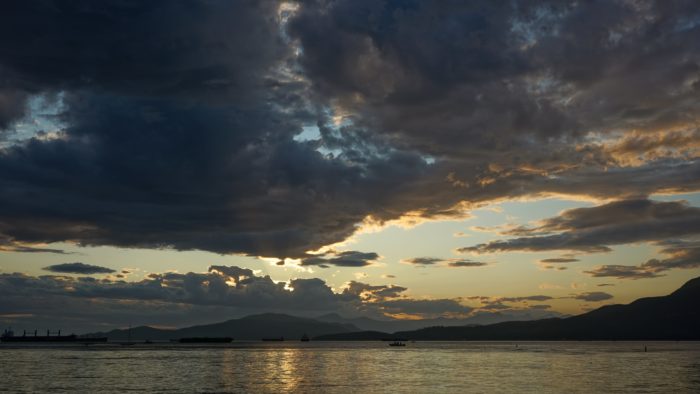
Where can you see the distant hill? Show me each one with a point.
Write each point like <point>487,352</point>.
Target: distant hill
<point>254,327</point>
<point>675,316</point>
<point>393,325</point>
<point>356,336</point>
<point>672,317</point>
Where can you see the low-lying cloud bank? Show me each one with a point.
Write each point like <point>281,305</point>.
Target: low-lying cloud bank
<point>224,291</point>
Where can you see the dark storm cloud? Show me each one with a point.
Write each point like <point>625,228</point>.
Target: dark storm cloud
<point>348,258</point>
<point>156,48</point>
<point>179,116</point>
<point>10,246</point>
<point>152,137</point>
<point>79,268</point>
<point>523,71</point>
<point>593,229</point>
<point>12,107</point>
<point>504,111</point>
<point>681,254</point>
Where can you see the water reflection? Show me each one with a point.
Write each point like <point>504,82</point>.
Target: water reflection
<point>366,367</point>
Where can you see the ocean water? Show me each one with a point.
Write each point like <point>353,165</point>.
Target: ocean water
<point>367,367</point>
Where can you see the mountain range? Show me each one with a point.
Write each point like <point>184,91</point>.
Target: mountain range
<point>393,325</point>
<point>254,327</point>
<point>672,317</point>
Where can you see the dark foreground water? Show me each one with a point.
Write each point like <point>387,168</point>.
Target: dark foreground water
<point>480,367</point>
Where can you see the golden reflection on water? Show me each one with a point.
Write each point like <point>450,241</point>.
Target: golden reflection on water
<point>282,368</point>
<point>357,367</point>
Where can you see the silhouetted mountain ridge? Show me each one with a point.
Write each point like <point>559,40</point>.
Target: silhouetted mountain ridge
<point>393,325</point>
<point>254,327</point>
<point>672,317</point>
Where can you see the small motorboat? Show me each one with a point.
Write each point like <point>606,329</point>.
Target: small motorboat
<point>305,338</point>
<point>397,343</point>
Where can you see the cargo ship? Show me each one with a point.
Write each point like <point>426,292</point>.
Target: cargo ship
<point>9,336</point>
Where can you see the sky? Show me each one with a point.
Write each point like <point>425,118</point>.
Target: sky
<point>174,163</point>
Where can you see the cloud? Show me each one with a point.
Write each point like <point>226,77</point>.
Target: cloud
<point>422,261</point>
<point>594,296</point>
<point>348,258</point>
<point>193,123</point>
<point>13,106</point>
<point>425,308</point>
<point>375,293</point>
<point>528,298</point>
<point>559,260</point>
<point>222,286</point>
<point>235,273</point>
<point>7,245</point>
<point>549,286</point>
<point>434,261</point>
<point>79,268</point>
<point>182,136</point>
<point>465,263</point>
<point>495,306</point>
<point>517,308</point>
<point>593,229</point>
<point>621,272</point>
<point>504,303</point>
<point>395,67</point>
<point>681,255</point>
<point>544,266</point>
<point>182,299</point>
<point>237,289</point>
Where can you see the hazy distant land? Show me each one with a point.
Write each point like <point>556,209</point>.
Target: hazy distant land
<point>672,317</point>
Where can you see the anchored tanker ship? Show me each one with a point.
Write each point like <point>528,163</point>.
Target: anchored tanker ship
<point>9,336</point>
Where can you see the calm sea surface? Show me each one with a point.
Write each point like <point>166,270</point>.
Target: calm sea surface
<point>480,367</point>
